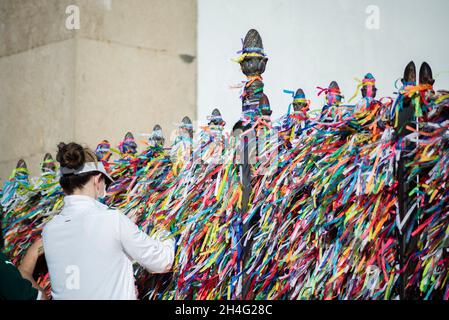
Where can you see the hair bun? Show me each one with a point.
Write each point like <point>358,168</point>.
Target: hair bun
<point>70,155</point>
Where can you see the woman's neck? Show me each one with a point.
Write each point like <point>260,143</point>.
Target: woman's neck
<point>87,190</point>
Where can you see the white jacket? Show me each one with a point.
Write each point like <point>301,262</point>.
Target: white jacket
<point>89,250</point>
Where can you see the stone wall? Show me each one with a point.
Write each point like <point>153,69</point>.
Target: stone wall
<point>131,64</point>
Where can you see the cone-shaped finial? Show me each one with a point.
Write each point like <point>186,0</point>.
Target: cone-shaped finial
<point>187,125</point>
<point>300,94</point>
<point>369,86</point>
<point>157,135</point>
<point>369,76</point>
<point>252,40</point>
<point>128,145</point>
<point>21,164</point>
<point>103,150</point>
<point>48,157</point>
<point>334,85</point>
<point>255,62</point>
<point>237,129</point>
<point>48,163</point>
<point>186,121</point>
<point>409,73</point>
<point>299,105</point>
<point>129,136</point>
<point>21,175</point>
<point>216,118</point>
<point>216,113</point>
<point>425,74</point>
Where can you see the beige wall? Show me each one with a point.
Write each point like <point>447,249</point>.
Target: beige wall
<point>131,65</point>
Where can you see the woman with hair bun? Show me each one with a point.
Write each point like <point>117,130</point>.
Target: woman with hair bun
<point>89,247</point>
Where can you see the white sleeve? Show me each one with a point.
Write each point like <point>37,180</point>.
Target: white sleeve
<point>154,255</point>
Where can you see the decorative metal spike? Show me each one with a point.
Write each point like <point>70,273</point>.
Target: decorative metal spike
<point>216,113</point>
<point>299,92</point>
<point>252,40</point>
<point>128,145</point>
<point>48,163</point>
<point>237,129</point>
<point>102,150</point>
<point>364,90</point>
<point>253,65</point>
<point>216,118</point>
<point>186,121</point>
<point>187,125</point>
<point>409,73</point>
<point>157,136</point>
<point>129,135</point>
<point>297,106</point>
<point>334,85</point>
<point>48,157</point>
<point>425,74</point>
<point>21,164</point>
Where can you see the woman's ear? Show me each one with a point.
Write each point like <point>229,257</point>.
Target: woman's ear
<point>97,178</point>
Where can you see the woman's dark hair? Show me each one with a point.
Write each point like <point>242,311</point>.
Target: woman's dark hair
<point>73,156</point>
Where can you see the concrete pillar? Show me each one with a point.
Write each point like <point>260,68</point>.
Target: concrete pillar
<point>131,64</point>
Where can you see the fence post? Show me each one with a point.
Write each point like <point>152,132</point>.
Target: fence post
<point>406,116</point>
<point>252,61</point>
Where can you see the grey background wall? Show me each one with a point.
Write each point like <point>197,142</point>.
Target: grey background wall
<point>131,64</point>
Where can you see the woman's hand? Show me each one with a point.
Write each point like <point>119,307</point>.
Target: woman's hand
<point>29,260</point>
<point>28,263</point>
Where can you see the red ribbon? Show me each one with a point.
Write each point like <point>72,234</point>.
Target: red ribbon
<point>327,90</point>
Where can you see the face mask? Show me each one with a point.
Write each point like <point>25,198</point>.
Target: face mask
<point>103,193</point>
<point>102,198</point>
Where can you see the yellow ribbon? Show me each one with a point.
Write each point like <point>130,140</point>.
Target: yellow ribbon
<point>242,57</point>
<point>359,86</point>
